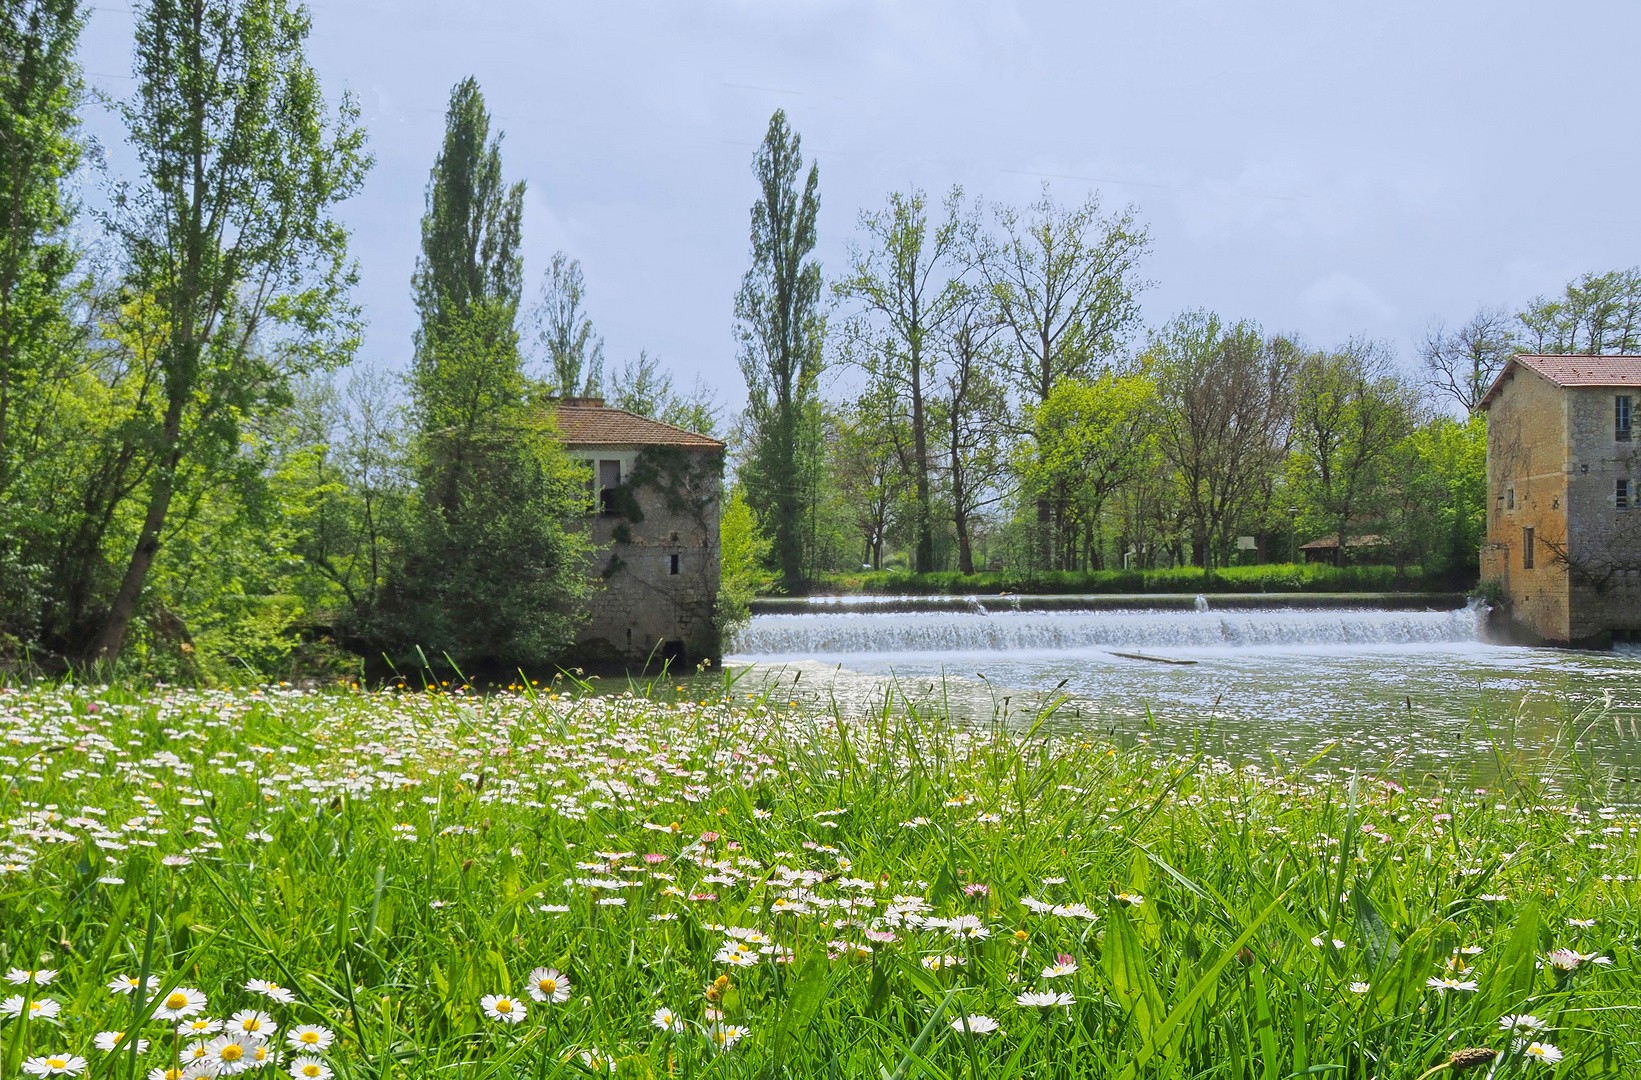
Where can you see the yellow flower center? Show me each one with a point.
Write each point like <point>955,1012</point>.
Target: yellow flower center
<point>310,1037</point>
<point>199,1052</point>
<point>57,1063</point>
<point>310,1069</point>
<point>548,985</point>
<point>176,1001</point>
<point>504,1005</point>
<point>253,1024</point>
<point>232,1052</point>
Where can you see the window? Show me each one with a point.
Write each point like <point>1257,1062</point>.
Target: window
<point>1621,418</point>
<point>1510,498</point>
<point>609,478</point>
<point>1527,549</point>
<point>1621,494</point>
<point>672,564</point>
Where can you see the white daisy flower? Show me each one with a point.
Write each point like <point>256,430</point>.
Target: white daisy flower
<point>501,1007</point>
<point>977,1025</point>
<point>55,1065</point>
<point>667,1020</point>
<point>310,1068</point>
<point>546,984</point>
<point>253,1022</point>
<point>113,1040</point>
<point>180,1003</point>
<point>271,990</point>
<point>310,1037</point>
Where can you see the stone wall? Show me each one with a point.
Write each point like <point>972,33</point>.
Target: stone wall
<point>1551,452</point>
<point>641,611</point>
<point>1527,445</point>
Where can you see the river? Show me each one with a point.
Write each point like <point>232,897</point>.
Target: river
<point>1353,685</point>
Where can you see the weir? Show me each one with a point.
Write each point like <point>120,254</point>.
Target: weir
<point>865,629</point>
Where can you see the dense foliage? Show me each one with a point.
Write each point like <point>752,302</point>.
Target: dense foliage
<point>561,884</point>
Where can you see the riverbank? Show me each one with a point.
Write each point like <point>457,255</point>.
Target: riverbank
<point>1270,578</point>
<point>557,884</point>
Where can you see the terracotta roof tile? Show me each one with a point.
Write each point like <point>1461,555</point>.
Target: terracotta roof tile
<point>1573,371</point>
<point>584,423</point>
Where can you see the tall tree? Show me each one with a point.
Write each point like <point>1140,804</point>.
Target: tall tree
<point>781,331</point>
<point>486,572</point>
<point>975,405</point>
<point>1463,364</point>
<point>644,387</point>
<point>1351,414</point>
<point>1226,401</point>
<point>1598,313</point>
<point>903,282</point>
<point>575,355</point>
<point>1066,282</point>
<point>40,147</point>
<point>470,230</point>
<point>230,231</point>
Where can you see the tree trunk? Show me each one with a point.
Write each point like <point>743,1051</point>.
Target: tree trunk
<point>108,642</point>
<point>920,450</point>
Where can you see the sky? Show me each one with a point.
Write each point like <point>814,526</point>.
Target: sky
<point>1326,169</point>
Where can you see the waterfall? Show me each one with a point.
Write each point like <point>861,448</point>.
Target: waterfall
<point>841,632</point>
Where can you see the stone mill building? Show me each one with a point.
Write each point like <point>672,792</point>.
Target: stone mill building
<point>1563,522</point>
<point>654,494</point>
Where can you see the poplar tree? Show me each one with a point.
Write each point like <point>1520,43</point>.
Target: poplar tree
<point>486,572</point>
<point>229,231</point>
<point>40,93</point>
<point>781,331</point>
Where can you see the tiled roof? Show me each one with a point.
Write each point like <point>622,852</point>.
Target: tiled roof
<point>589,422</point>
<point>1573,371</point>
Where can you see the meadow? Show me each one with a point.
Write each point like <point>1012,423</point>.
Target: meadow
<point>696,882</point>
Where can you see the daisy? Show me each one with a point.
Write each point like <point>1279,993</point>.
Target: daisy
<point>124,984</point>
<point>1520,1022</point>
<point>199,1027</point>
<point>1537,1051</point>
<point>61,1065</point>
<point>310,1068</point>
<point>40,1009</point>
<point>19,976</point>
<point>262,1054</point>
<point>110,1040</point>
<point>1044,999</point>
<point>253,1022</point>
<point>1131,898</point>
<point>977,1025</point>
<point>546,984</point>
<point>180,1003</point>
<point>1443,985</point>
<point>271,990</point>
<point>667,1020</point>
<point>309,1037</point>
<point>1063,965</point>
<point>190,1073</point>
<point>1359,988</point>
<point>724,1036</point>
<point>501,1007</point>
<point>231,1053</point>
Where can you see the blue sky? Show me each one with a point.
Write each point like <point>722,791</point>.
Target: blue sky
<point>1328,169</point>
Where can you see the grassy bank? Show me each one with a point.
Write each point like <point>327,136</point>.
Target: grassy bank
<point>541,885</point>
<point>1276,577</point>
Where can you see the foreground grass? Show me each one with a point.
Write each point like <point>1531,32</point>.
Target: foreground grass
<point>544,885</point>
<point>1276,577</point>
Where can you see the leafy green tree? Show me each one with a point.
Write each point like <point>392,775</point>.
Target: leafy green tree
<point>1065,282</point>
<point>1597,313</point>
<point>1092,437</point>
<point>575,355</point>
<point>40,148</point>
<point>644,387</point>
<point>1351,413</point>
<point>974,407</point>
<point>486,571</point>
<point>1225,400</point>
<point>742,550</point>
<point>903,281</point>
<point>781,331</point>
<point>230,231</point>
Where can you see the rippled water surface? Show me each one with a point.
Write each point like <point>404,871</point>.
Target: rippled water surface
<point>1356,686</point>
